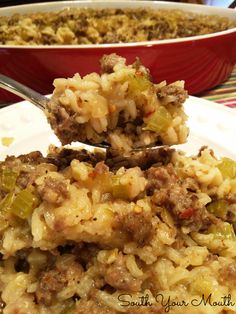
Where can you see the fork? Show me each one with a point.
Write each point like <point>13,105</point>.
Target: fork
<point>42,101</point>
<point>37,99</point>
<point>23,91</point>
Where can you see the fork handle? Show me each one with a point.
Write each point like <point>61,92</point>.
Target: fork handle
<point>23,91</point>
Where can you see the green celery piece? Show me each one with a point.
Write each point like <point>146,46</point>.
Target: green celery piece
<point>119,190</point>
<point>159,120</point>
<point>228,168</point>
<point>219,208</point>
<point>223,232</point>
<point>6,202</point>
<point>69,307</point>
<point>5,205</point>
<point>8,180</point>
<point>138,83</point>
<point>24,204</point>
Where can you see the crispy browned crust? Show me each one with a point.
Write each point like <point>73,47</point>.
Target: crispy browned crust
<point>131,23</point>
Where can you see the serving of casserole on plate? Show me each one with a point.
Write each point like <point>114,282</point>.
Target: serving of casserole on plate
<point>118,231</point>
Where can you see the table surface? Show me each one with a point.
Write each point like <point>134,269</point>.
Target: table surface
<point>225,93</point>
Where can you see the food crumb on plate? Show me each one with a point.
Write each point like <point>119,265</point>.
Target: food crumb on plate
<point>7,141</point>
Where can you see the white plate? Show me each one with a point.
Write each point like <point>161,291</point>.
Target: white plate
<point>210,124</point>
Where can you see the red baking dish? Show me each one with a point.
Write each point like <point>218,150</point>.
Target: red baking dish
<point>201,61</point>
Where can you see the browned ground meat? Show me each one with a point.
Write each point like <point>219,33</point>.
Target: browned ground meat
<point>136,226</point>
<point>50,282</point>
<point>31,158</point>
<point>53,280</point>
<point>179,197</point>
<point>63,122</point>
<point>159,177</point>
<point>53,191</point>
<point>108,62</point>
<point>179,93</point>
